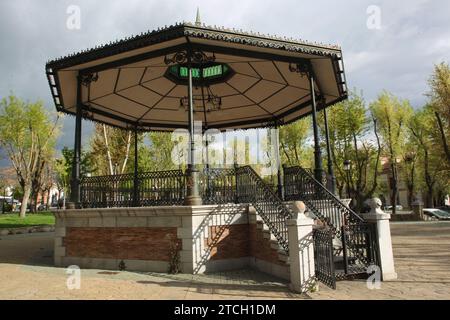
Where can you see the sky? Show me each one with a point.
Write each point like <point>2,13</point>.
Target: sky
<point>387,45</point>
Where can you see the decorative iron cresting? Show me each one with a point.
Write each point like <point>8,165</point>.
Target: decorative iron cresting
<point>193,56</point>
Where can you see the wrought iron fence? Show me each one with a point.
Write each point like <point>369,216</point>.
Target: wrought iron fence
<point>299,184</point>
<point>360,248</point>
<point>218,185</point>
<point>107,191</point>
<point>252,189</point>
<point>161,188</point>
<point>153,188</point>
<point>323,256</point>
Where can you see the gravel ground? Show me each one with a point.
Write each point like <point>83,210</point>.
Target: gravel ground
<point>421,250</point>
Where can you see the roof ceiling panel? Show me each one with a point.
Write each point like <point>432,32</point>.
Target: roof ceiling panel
<point>260,89</point>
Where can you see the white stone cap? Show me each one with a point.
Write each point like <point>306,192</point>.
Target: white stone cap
<point>299,219</point>
<point>376,216</point>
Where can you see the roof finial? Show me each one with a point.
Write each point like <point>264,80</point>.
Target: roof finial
<point>198,23</point>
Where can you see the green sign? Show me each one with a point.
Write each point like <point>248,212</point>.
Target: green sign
<point>215,71</point>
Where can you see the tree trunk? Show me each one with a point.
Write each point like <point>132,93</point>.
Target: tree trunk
<point>394,193</point>
<point>108,153</point>
<point>443,136</point>
<point>47,205</point>
<point>26,197</point>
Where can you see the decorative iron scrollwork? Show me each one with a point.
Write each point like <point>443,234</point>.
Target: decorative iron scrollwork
<point>195,56</point>
<point>304,68</point>
<point>86,79</point>
<point>212,102</point>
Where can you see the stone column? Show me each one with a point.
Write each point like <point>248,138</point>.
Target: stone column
<point>381,219</point>
<point>301,249</point>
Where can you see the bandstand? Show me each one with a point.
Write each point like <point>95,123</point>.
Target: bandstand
<point>207,219</point>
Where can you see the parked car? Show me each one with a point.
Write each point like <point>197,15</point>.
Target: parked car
<point>445,208</point>
<point>437,214</point>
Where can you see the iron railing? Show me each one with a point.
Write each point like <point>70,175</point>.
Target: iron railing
<point>323,256</point>
<point>218,185</point>
<point>153,188</point>
<point>358,247</point>
<point>299,184</point>
<point>253,190</point>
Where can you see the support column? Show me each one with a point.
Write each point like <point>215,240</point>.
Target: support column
<point>381,219</point>
<point>301,250</point>
<point>332,182</point>
<point>136,180</point>
<point>318,171</point>
<point>75,178</point>
<point>280,189</point>
<point>192,193</point>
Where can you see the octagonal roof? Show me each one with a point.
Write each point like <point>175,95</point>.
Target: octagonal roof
<point>128,83</point>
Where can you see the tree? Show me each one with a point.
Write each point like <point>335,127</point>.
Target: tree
<point>63,169</point>
<point>439,96</point>
<point>27,135</point>
<point>293,143</point>
<point>110,149</point>
<point>354,138</point>
<point>392,116</point>
<point>423,133</point>
<point>160,151</point>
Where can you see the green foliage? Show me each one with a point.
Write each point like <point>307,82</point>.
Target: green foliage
<point>28,134</point>
<point>293,143</point>
<point>111,155</point>
<point>435,175</point>
<point>63,167</point>
<point>160,155</point>
<point>352,138</point>
<point>392,116</point>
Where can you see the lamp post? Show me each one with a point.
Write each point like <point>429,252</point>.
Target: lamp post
<point>347,168</point>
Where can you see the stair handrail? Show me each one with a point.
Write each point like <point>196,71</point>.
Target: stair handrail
<point>349,215</point>
<point>275,220</point>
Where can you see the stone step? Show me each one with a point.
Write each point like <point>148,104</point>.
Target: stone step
<point>283,256</point>
<point>260,225</point>
<point>274,244</point>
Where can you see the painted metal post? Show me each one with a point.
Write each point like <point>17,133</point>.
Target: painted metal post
<point>280,189</point>
<point>136,180</point>
<point>192,191</point>
<point>75,179</point>
<point>332,182</point>
<point>318,171</point>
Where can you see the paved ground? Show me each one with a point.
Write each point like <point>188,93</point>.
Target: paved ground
<point>422,257</point>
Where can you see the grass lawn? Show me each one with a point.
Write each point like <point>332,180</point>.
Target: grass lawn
<point>31,219</point>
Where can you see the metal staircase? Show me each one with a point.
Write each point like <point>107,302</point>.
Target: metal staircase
<point>251,189</point>
<point>353,245</point>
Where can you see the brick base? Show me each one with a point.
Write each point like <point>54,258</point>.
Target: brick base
<point>260,247</point>
<point>228,242</point>
<point>120,243</point>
